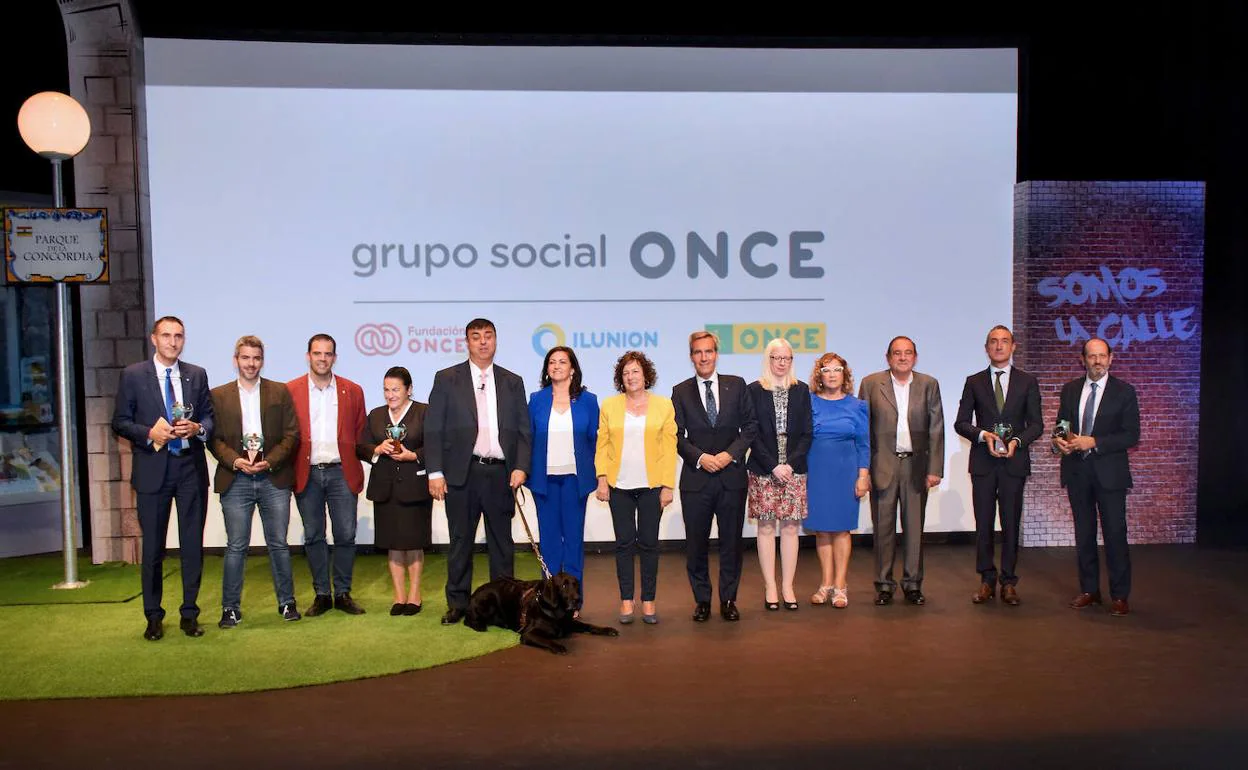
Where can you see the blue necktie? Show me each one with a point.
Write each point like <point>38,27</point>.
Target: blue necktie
<point>175,447</point>
<point>1089,415</point>
<point>712,411</point>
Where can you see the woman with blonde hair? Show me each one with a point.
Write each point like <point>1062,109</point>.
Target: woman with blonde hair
<point>777,469</point>
<point>839,460</point>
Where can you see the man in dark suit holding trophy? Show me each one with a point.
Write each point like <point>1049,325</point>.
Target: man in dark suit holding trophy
<point>1098,420</point>
<point>1000,415</point>
<point>164,409</point>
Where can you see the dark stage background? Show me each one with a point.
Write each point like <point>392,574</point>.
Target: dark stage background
<point>1105,94</point>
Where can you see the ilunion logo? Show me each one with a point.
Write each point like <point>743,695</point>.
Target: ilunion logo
<point>547,336</point>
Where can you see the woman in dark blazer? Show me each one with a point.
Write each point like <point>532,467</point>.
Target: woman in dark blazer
<point>564,418</point>
<point>398,486</point>
<point>777,469</point>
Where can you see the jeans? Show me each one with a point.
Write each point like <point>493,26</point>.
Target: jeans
<point>245,494</point>
<point>328,488</point>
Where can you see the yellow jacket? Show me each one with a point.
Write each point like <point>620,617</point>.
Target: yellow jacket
<point>660,441</point>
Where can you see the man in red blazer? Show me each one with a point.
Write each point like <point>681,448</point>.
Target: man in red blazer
<point>327,474</point>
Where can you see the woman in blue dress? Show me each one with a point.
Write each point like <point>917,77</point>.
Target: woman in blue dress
<point>838,464</point>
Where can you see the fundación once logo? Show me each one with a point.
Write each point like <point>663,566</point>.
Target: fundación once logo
<point>378,339</point>
<point>752,338</point>
<point>550,335</point>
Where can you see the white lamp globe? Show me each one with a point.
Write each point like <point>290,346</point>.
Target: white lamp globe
<point>54,125</point>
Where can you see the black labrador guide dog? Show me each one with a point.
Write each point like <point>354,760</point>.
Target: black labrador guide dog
<point>540,610</point>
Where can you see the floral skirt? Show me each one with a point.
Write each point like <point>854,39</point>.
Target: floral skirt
<point>772,499</point>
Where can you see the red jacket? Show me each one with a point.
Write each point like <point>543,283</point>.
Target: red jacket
<point>350,423</point>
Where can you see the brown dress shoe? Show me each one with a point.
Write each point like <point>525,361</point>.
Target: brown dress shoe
<point>1119,607</point>
<point>984,594</point>
<point>1009,595</point>
<point>1084,600</point>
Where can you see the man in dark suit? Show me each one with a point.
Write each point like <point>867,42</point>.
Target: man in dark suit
<point>168,464</point>
<point>1006,398</point>
<point>245,408</point>
<point>907,459</point>
<point>328,475</point>
<point>1098,420</point>
<point>715,424</point>
<point>477,446</point>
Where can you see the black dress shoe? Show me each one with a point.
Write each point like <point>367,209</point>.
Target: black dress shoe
<point>729,611</point>
<point>320,605</point>
<point>397,608</point>
<point>191,627</point>
<point>155,630</point>
<point>411,609</point>
<point>453,616</point>
<point>915,597</point>
<point>345,603</point>
<point>701,612</point>
<point>883,597</point>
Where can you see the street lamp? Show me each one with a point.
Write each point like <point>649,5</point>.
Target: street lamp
<point>56,127</point>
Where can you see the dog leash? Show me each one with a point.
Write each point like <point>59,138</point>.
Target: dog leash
<point>519,499</point>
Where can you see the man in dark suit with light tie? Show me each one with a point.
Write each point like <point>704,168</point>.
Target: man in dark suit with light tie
<point>715,424</point>
<point>907,459</point>
<point>1007,398</point>
<point>1098,420</point>
<point>168,464</point>
<point>477,449</point>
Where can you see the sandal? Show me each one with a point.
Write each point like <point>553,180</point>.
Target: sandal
<point>840,598</point>
<point>821,596</point>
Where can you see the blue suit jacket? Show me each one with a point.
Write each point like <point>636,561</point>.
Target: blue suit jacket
<point>584,439</point>
<point>140,403</point>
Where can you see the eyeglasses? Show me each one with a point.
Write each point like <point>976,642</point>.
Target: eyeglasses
<point>781,358</point>
<point>831,369</point>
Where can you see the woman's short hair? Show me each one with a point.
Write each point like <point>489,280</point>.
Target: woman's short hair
<point>779,343</point>
<point>647,369</point>
<point>575,387</point>
<point>399,373</point>
<point>816,382</point>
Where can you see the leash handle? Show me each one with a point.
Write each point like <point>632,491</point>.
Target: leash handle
<point>519,496</point>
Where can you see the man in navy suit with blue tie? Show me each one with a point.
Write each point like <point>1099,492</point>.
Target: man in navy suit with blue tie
<point>1098,421</point>
<point>168,464</point>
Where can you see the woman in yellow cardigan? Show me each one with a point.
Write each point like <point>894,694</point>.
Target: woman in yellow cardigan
<point>636,466</point>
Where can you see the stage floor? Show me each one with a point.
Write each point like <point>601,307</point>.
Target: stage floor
<point>949,684</point>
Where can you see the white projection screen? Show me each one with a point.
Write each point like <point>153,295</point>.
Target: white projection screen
<point>605,198</point>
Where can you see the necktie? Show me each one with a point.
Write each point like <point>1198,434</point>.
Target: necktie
<point>482,447</point>
<point>1000,394</point>
<point>712,411</point>
<point>1089,413</point>
<point>175,447</point>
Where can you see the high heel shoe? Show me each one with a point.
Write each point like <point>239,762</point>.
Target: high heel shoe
<point>791,606</point>
<point>771,606</point>
<point>840,598</point>
<point>822,595</point>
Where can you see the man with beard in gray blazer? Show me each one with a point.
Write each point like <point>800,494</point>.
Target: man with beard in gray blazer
<point>907,425</point>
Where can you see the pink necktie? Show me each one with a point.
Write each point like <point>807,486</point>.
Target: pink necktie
<point>482,448</point>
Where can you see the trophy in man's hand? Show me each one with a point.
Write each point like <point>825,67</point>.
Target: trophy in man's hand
<point>1062,430</point>
<point>1003,432</point>
<point>253,447</point>
<point>397,433</point>
<point>180,411</point>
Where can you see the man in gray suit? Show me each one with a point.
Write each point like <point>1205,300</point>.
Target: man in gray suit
<point>907,459</point>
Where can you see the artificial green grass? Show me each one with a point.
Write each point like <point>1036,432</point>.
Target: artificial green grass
<point>29,580</point>
<point>97,650</point>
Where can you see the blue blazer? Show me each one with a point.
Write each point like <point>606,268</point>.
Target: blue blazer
<point>140,403</point>
<point>584,439</point>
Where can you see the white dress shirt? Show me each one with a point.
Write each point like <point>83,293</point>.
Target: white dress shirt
<point>491,398</point>
<point>249,400</point>
<point>323,418</point>
<point>901,392</point>
<point>176,375</point>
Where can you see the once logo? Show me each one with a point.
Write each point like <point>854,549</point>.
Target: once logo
<point>752,338</point>
<point>378,339</point>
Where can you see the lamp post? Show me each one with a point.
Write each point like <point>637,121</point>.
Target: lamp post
<point>56,127</point>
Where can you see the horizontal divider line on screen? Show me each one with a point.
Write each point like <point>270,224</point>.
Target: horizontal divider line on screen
<point>565,301</point>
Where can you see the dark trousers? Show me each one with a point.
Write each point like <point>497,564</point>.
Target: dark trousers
<point>727,508</point>
<point>904,493</point>
<point>485,491</point>
<point>1087,498</point>
<point>327,490</point>
<point>987,492</point>
<point>189,486</point>
<point>635,515</point>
